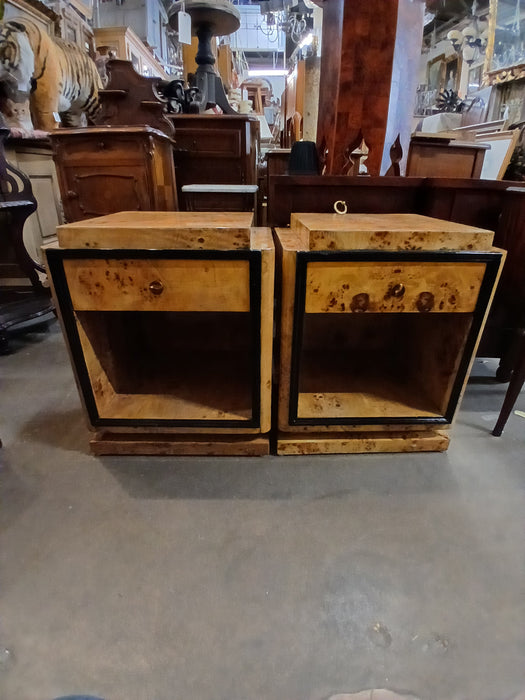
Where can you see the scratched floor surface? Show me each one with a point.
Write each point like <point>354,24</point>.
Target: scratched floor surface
<point>293,578</point>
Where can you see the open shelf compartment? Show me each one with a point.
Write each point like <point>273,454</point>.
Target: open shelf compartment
<point>172,339</point>
<point>378,367</point>
<point>399,359</point>
<point>166,366</point>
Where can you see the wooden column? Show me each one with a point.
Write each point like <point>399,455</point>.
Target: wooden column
<point>366,52</point>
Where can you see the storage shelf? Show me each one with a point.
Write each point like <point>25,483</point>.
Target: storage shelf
<point>378,366</point>
<point>201,386</point>
<point>166,365</point>
<point>331,388</point>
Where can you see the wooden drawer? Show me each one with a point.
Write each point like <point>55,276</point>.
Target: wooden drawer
<point>158,285</point>
<point>390,287</point>
<point>208,142</point>
<point>102,150</point>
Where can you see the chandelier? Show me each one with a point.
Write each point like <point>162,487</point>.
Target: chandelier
<point>470,42</point>
<point>290,16</point>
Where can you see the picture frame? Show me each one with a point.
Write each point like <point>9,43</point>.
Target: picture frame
<point>443,73</point>
<point>507,51</point>
<point>497,157</point>
<point>435,72</point>
<point>451,73</point>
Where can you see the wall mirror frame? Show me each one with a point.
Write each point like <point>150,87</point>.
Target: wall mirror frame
<point>505,58</point>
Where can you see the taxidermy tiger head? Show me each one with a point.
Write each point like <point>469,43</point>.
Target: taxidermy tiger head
<point>16,71</point>
<point>17,61</point>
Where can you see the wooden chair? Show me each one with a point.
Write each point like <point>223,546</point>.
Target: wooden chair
<point>512,293</point>
<point>24,301</point>
<point>517,381</point>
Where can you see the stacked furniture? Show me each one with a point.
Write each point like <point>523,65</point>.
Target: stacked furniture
<point>495,205</point>
<point>216,150</point>
<point>436,156</point>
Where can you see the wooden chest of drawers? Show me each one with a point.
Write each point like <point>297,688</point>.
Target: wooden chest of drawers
<point>215,149</point>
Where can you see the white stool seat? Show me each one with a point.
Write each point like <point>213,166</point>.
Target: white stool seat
<point>215,197</point>
<point>240,189</point>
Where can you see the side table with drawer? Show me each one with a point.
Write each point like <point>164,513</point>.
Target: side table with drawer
<point>169,318</point>
<point>380,320</point>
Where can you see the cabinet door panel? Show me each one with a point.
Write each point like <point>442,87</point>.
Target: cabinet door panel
<point>100,191</point>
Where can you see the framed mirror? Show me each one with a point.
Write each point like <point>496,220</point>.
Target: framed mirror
<point>509,34</point>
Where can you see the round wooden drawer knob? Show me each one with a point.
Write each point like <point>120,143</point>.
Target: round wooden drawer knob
<point>425,302</point>
<point>360,303</point>
<point>156,287</point>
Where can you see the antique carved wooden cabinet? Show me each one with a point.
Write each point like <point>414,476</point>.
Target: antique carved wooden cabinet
<point>107,169</point>
<point>169,319</point>
<point>380,319</point>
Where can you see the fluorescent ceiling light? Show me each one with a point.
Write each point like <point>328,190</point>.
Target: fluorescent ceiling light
<point>266,71</point>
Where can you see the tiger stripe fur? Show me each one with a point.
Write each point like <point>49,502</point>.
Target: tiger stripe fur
<point>56,75</point>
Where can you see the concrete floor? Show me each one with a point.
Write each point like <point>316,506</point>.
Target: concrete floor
<point>291,578</point>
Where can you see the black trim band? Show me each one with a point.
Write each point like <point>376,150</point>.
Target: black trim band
<point>56,259</point>
<point>492,262</point>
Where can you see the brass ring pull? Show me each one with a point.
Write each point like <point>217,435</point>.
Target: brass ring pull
<point>398,290</point>
<point>340,207</point>
<point>156,287</point>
